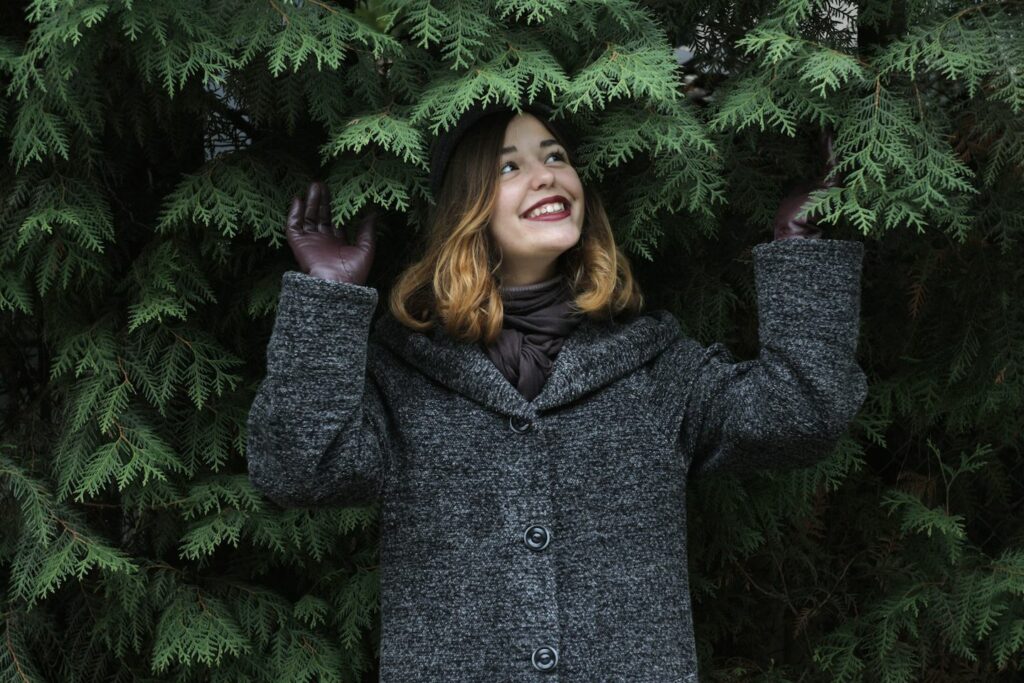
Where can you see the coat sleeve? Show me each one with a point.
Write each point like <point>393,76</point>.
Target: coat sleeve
<point>317,430</point>
<point>788,407</point>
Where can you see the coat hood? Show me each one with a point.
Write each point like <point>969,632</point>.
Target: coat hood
<point>595,354</point>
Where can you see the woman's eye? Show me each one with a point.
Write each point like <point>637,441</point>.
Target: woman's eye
<point>560,156</point>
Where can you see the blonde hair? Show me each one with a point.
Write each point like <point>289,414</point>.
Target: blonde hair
<point>455,282</point>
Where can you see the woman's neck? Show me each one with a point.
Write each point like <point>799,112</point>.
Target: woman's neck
<point>530,288</point>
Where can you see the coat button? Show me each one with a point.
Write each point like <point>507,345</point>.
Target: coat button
<point>545,658</point>
<point>518,424</point>
<point>537,538</point>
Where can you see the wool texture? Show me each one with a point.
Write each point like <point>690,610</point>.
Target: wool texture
<point>545,539</point>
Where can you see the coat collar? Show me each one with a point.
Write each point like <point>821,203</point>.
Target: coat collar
<point>595,354</point>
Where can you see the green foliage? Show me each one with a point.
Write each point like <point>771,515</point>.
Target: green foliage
<point>151,152</point>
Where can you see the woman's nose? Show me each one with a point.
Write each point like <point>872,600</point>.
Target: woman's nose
<point>544,176</point>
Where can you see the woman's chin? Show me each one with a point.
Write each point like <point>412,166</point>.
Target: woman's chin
<point>557,247</point>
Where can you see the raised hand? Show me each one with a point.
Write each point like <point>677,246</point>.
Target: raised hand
<point>321,248</point>
<point>786,224</point>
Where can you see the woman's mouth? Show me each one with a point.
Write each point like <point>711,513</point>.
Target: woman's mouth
<point>565,213</point>
<point>557,215</point>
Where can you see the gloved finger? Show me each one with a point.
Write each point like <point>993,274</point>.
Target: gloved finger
<point>337,231</point>
<point>323,216</point>
<point>293,224</point>
<point>312,208</point>
<point>366,240</point>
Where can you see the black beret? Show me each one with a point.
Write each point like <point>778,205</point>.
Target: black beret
<point>447,141</point>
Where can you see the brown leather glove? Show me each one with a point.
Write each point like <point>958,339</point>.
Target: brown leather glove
<point>786,224</point>
<point>320,248</point>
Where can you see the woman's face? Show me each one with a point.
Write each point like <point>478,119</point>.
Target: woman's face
<point>534,168</point>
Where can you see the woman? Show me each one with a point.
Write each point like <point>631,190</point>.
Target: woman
<point>528,432</point>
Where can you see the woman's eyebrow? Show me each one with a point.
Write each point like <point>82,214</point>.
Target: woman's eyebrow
<point>543,143</point>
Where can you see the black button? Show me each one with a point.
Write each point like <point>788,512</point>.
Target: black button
<point>545,658</point>
<point>519,424</point>
<point>537,537</point>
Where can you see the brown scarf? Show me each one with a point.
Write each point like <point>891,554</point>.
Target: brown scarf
<point>537,319</point>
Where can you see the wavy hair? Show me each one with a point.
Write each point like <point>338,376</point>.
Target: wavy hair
<point>456,281</point>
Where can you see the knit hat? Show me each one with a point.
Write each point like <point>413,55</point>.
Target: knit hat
<point>446,142</point>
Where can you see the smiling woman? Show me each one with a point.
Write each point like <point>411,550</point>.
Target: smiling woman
<point>533,491</point>
<point>539,211</point>
<point>488,175</point>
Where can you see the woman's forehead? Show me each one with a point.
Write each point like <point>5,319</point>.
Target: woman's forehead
<point>526,126</point>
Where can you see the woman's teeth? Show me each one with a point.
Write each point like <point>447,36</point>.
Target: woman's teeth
<point>547,208</point>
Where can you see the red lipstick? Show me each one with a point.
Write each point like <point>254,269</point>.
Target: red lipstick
<point>550,216</point>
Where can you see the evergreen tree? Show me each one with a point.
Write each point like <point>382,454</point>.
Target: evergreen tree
<point>151,149</point>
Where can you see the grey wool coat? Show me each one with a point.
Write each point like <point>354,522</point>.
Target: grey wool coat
<point>545,540</point>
